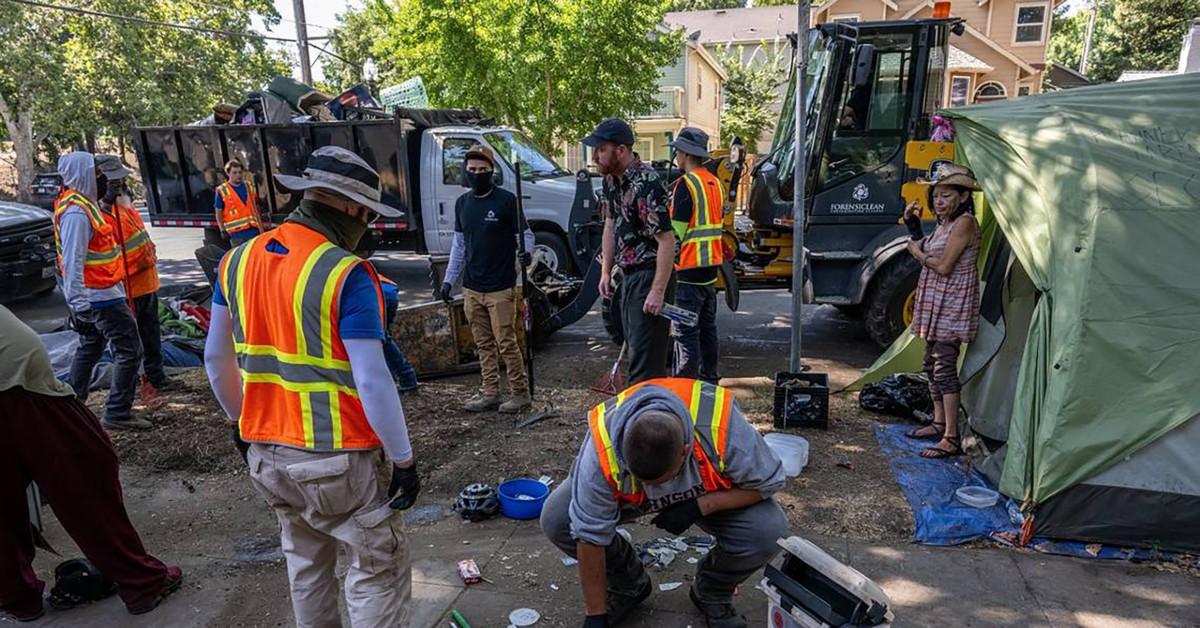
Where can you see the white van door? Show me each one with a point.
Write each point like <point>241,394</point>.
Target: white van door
<point>443,188</point>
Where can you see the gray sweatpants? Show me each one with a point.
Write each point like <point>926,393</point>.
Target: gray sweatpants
<point>745,543</point>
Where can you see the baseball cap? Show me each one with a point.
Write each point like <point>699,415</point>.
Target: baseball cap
<point>613,130</point>
<point>479,151</point>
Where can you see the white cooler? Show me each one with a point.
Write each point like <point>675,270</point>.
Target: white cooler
<point>808,588</point>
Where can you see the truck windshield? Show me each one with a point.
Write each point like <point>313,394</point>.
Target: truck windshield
<point>783,152</point>
<point>534,163</point>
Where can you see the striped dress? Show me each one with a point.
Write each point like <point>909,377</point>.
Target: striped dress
<point>947,307</point>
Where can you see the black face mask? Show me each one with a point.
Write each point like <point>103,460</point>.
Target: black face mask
<point>481,182</point>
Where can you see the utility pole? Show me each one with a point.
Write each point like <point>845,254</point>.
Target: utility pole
<point>302,42</point>
<point>1087,38</point>
<point>803,18</point>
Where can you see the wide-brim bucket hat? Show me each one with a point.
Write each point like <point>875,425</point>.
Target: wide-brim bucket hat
<point>335,169</point>
<point>946,172</point>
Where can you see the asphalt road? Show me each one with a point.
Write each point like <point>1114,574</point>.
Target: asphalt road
<point>754,341</point>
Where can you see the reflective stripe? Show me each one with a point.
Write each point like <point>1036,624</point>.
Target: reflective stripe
<point>314,303</point>
<point>107,256</point>
<point>233,297</point>
<point>293,372</point>
<point>332,282</point>
<point>718,419</point>
<point>702,234</point>
<point>322,420</point>
<point>136,241</point>
<point>607,451</point>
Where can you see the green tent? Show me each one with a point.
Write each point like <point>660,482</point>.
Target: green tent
<point>1085,377</point>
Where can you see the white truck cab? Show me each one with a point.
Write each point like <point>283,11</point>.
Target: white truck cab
<point>547,188</point>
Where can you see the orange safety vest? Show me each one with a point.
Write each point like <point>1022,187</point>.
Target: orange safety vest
<point>701,245</point>
<point>140,257</point>
<point>298,389</point>
<point>103,267</point>
<point>238,215</point>
<point>709,407</point>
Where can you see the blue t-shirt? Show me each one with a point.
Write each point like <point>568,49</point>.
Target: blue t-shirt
<point>359,307</point>
<point>238,188</point>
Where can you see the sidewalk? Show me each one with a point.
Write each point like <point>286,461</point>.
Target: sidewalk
<point>247,586</point>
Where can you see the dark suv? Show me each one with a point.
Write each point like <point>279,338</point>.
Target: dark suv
<point>45,188</point>
<point>26,251</point>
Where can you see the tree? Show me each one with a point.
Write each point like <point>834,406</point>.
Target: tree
<point>1067,32</point>
<point>754,78</point>
<point>68,76</point>
<point>1139,35</point>
<point>551,67</point>
<point>703,5</point>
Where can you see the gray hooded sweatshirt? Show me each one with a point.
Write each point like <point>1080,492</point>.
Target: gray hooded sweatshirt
<point>78,171</point>
<point>594,512</point>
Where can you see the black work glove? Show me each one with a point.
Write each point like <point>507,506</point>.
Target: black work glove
<point>242,446</point>
<point>596,621</point>
<point>405,487</point>
<point>444,293</point>
<point>82,322</point>
<point>914,227</point>
<point>526,259</point>
<point>678,517</point>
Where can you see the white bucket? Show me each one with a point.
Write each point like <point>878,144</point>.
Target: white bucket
<point>792,451</point>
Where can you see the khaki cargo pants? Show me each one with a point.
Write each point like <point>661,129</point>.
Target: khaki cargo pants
<point>493,325</point>
<point>326,499</point>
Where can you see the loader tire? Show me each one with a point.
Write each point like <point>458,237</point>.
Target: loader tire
<point>890,293</point>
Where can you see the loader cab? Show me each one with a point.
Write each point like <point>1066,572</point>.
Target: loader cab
<point>872,88</point>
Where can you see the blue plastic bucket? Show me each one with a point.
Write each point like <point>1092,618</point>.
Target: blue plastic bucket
<point>530,507</point>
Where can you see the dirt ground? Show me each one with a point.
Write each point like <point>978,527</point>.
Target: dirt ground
<point>846,490</point>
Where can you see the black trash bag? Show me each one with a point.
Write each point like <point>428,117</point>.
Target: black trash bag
<point>901,394</point>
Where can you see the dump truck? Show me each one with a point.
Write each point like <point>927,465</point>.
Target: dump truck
<point>873,88</point>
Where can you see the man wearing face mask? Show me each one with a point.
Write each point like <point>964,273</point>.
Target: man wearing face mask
<point>484,253</point>
<point>295,357</point>
<point>93,275</point>
<point>140,257</point>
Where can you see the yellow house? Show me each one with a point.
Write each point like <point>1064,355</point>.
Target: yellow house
<point>1001,55</point>
<point>690,93</point>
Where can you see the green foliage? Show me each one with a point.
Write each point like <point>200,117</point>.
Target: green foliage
<point>553,68</point>
<point>1129,35</point>
<point>703,5</point>
<point>78,74</point>
<point>751,89</point>
<point>1141,35</point>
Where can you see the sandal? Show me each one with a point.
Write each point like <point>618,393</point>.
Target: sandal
<point>920,433</point>
<point>937,453</point>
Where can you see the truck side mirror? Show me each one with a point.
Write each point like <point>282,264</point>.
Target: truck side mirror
<point>864,63</point>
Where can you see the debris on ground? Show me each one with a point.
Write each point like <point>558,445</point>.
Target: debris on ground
<point>669,586</point>
<point>661,552</point>
<point>524,617</point>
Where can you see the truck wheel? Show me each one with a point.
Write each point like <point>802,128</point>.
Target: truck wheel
<point>610,313</point>
<point>889,301</point>
<point>554,251</point>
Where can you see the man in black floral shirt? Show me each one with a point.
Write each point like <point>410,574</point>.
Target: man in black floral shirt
<point>639,239</point>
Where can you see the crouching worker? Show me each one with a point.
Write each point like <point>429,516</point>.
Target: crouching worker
<point>681,448</point>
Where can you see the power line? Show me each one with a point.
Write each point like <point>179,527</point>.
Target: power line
<point>149,22</point>
<point>227,7</point>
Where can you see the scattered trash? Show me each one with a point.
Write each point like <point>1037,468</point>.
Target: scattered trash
<point>469,571</point>
<point>791,450</point>
<point>977,496</point>
<point>846,465</point>
<point>693,560</point>
<point>901,394</point>
<point>524,617</point>
<point>669,586</point>
<point>568,561</point>
<point>520,424</point>
<point>554,587</point>
<point>545,479</point>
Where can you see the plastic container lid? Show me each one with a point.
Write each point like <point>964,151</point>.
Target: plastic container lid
<point>977,496</point>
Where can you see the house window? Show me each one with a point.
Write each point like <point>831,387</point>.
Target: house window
<point>991,91</point>
<point>1024,89</point>
<point>699,89</point>
<point>1031,23</point>
<point>960,90</point>
<point>845,18</point>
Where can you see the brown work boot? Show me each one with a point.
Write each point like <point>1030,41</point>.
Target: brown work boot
<point>129,423</point>
<point>516,404</point>
<point>718,615</point>
<point>482,403</point>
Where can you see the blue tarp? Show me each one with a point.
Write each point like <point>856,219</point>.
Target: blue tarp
<point>940,519</point>
<point>929,485</point>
